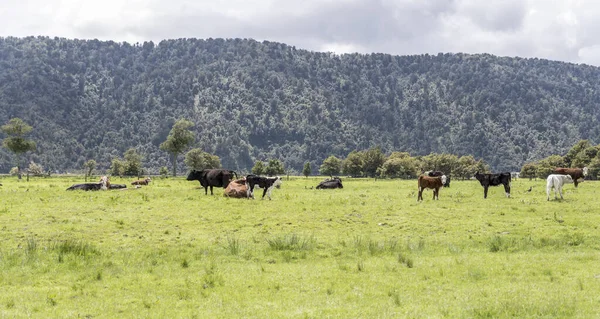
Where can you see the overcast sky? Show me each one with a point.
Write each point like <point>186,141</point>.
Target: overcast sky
<point>564,30</point>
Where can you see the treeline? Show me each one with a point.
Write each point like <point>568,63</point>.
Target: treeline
<point>254,101</point>
<point>582,154</point>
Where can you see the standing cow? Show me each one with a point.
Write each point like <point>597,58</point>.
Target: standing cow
<point>487,180</point>
<point>577,174</point>
<point>266,183</point>
<point>434,183</point>
<point>438,173</point>
<point>212,178</point>
<point>557,181</point>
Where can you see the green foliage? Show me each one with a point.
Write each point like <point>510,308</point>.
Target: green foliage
<point>353,164</point>
<point>117,167</point>
<point>306,170</point>
<point>198,159</point>
<point>35,169</point>
<point>89,167</point>
<point>163,171</point>
<point>258,168</point>
<point>529,170</point>
<point>274,167</point>
<point>180,137</point>
<point>16,142</point>
<point>373,159</point>
<point>133,162</point>
<point>548,164</point>
<point>403,167</point>
<point>331,166</point>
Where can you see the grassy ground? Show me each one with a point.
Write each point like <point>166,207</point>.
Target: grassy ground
<point>366,251</point>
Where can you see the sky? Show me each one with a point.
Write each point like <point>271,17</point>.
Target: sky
<point>561,30</point>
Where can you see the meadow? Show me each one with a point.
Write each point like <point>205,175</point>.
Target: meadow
<point>369,250</point>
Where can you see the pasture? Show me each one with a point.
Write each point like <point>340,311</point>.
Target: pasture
<point>368,250</point>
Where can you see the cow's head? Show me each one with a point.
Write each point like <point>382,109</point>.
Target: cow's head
<point>585,171</point>
<point>277,182</point>
<point>194,175</point>
<point>568,179</point>
<point>443,179</point>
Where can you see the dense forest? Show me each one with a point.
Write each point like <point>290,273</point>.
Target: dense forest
<point>250,100</point>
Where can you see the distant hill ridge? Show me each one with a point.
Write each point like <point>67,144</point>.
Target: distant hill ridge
<point>250,100</point>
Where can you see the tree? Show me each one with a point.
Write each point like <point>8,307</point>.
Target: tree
<point>258,168</point>
<point>117,167</point>
<point>528,170</point>
<point>198,160</point>
<point>547,165</point>
<point>331,166</point>
<point>353,164</point>
<point>275,167</point>
<point>396,166</point>
<point>35,169</point>
<point>163,171</point>
<point>16,142</point>
<point>133,163</point>
<point>178,140</point>
<point>89,166</point>
<point>573,153</point>
<point>373,159</point>
<point>307,170</point>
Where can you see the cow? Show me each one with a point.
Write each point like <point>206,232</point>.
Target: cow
<point>211,177</point>
<point>266,183</point>
<point>335,182</point>
<point>86,187</point>
<point>578,174</point>
<point>557,181</point>
<point>236,189</point>
<point>487,180</point>
<point>144,181</point>
<point>105,181</point>
<point>434,183</point>
<point>117,186</point>
<point>438,173</point>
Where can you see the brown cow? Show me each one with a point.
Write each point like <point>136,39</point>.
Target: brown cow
<point>434,183</point>
<point>578,174</point>
<point>144,181</point>
<point>236,189</point>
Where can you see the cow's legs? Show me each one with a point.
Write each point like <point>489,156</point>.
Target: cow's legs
<point>205,190</point>
<point>575,182</point>
<point>435,193</point>
<point>265,193</point>
<point>507,189</point>
<point>559,192</point>
<point>485,190</point>
<point>211,190</point>
<point>420,196</point>
<point>269,192</point>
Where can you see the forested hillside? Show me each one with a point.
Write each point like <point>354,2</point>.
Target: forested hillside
<point>249,100</point>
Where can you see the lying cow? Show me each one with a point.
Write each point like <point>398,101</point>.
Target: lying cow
<point>577,174</point>
<point>335,182</point>
<point>487,180</point>
<point>266,183</point>
<point>117,186</point>
<point>211,177</point>
<point>434,183</point>
<point>557,181</point>
<point>236,189</point>
<point>438,173</point>
<point>104,184</point>
<point>144,181</point>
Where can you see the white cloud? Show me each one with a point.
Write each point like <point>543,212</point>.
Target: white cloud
<point>563,30</point>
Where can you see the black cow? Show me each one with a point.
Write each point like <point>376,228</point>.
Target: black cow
<point>212,177</point>
<point>438,173</point>
<point>335,182</point>
<point>487,180</point>
<point>266,183</point>
<point>117,186</point>
<point>86,187</point>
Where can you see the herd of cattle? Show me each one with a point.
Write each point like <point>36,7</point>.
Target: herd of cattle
<point>435,180</point>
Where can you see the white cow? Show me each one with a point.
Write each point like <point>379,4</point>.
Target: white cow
<point>557,181</point>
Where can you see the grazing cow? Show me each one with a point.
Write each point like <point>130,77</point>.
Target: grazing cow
<point>266,183</point>
<point>144,181</point>
<point>434,183</point>
<point>211,177</point>
<point>578,174</point>
<point>335,182</point>
<point>236,189</point>
<point>104,180</point>
<point>557,181</point>
<point>438,173</point>
<point>487,180</point>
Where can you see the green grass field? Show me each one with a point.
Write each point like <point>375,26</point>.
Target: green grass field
<point>366,251</point>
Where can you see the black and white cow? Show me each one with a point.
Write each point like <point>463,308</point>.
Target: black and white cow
<point>335,182</point>
<point>212,177</point>
<point>557,181</point>
<point>266,183</point>
<point>487,180</point>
